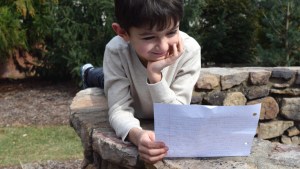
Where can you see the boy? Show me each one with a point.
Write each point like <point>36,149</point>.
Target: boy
<point>150,61</point>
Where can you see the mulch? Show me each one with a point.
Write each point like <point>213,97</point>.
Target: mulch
<point>33,102</point>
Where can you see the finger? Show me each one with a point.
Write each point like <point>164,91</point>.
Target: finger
<point>147,139</point>
<point>151,135</point>
<point>180,45</point>
<point>153,144</point>
<point>174,56</point>
<point>175,50</point>
<point>152,159</point>
<point>152,152</point>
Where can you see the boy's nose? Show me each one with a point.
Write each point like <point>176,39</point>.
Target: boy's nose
<point>163,44</point>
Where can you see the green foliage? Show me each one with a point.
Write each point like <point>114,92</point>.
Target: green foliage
<point>25,28</point>
<point>190,22</point>
<point>25,7</point>
<point>11,35</point>
<point>227,31</point>
<point>36,144</point>
<point>279,44</point>
<point>64,34</point>
<point>79,35</point>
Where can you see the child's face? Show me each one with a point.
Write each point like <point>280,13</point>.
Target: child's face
<point>153,45</point>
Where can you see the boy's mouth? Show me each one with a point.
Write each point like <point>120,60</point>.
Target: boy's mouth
<point>159,54</point>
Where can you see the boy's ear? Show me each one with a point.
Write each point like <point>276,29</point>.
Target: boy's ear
<point>120,31</point>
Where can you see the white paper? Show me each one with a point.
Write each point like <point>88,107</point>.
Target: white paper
<point>206,131</point>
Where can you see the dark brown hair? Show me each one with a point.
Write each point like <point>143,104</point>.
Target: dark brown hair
<point>150,13</point>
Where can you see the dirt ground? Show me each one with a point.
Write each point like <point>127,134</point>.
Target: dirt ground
<point>37,102</point>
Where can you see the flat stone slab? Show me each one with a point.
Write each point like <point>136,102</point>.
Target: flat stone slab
<point>102,149</point>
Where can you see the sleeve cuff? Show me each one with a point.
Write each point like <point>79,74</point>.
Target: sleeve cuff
<point>161,92</point>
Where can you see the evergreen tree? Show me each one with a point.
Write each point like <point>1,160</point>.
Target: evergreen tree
<point>79,35</point>
<point>12,36</point>
<point>23,29</point>
<point>279,44</point>
<point>62,34</point>
<point>227,31</point>
<point>192,13</point>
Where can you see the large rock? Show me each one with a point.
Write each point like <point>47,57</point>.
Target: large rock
<point>208,81</point>
<point>283,74</point>
<point>287,91</point>
<point>290,108</point>
<point>234,99</point>
<point>255,92</point>
<point>294,131</point>
<point>102,149</point>
<point>214,98</point>
<point>230,80</point>
<point>269,108</point>
<point>228,77</point>
<point>283,77</point>
<point>260,77</point>
<point>273,129</point>
<point>197,97</point>
<point>295,140</point>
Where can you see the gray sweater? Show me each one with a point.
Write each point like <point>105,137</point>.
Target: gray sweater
<point>130,97</point>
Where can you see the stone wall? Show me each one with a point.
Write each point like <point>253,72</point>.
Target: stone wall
<point>103,150</point>
<point>278,89</point>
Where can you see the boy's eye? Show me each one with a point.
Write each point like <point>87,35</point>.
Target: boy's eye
<point>172,32</point>
<point>148,38</point>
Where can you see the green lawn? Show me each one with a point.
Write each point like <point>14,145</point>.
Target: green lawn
<point>19,145</point>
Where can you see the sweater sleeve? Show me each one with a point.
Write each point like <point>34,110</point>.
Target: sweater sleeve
<point>121,113</point>
<point>181,88</point>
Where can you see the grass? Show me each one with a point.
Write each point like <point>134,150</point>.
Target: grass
<point>19,145</point>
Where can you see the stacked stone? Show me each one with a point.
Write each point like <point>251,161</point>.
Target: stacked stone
<point>277,89</point>
<point>104,150</point>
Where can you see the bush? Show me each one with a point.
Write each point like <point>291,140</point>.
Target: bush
<point>61,35</point>
<point>12,36</point>
<point>81,30</point>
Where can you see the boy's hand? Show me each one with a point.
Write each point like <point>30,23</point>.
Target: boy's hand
<point>154,68</point>
<point>149,150</point>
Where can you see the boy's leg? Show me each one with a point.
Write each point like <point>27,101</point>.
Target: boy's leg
<point>95,77</point>
<point>92,77</point>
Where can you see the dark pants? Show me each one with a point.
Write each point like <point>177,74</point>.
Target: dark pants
<point>95,78</point>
